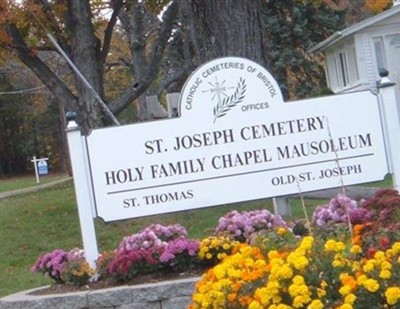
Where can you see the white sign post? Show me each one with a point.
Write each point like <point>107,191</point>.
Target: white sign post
<point>235,140</point>
<point>390,109</point>
<point>40,166</point>
<point>83,191</point>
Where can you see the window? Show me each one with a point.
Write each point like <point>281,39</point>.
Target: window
<point>379,48</point>
<point>342,68</point>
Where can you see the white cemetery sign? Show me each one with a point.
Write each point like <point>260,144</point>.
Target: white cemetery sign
<point>235,140</point>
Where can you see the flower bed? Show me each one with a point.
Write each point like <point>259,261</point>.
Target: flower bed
<point>256,260</point>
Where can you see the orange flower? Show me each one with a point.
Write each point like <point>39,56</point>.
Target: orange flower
<point>245,300</point>
<point>349,281</point>
<point>232,297</point>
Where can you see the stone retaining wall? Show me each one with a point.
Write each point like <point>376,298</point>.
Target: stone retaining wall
<point>163,295</point>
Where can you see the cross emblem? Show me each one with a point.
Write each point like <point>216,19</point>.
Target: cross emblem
<point>218,90</point>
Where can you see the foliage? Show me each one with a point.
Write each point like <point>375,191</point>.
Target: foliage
<point>241,225</point>
<point>377,6</point>
<point>28,124</point>
<point>300,25</point>
<point>103,261</point>
<point>384,226</point>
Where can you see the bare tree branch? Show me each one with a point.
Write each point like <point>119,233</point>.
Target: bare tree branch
<point>177,76</point>
<point>146,73</point>
<point>47,76</point>
<point>117,5</point>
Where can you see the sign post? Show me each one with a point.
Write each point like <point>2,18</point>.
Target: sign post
<point>82,190</point>
<point>391,114</point>
<point>40,166</point>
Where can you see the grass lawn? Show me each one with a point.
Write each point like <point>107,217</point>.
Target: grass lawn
<point>387,182</point>
<point>39,222</point>
<point>14,183</point>
<point>34,223</point>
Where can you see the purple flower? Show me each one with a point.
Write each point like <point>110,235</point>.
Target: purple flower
<point>153,236</point>
<point>241,225</point>
<point>180,252</point>
<point>52,264</point>
<point>336,212</point>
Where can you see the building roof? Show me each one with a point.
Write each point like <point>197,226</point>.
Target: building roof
<point>339,35</point>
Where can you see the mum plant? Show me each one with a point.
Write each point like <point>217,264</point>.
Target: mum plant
<point>383,228</point>
<point>340,209</point>
<point>242,225</point>
<point>180,254</point>
<point>155,249</point>
<point>214,249</point>
<point>64,267</point>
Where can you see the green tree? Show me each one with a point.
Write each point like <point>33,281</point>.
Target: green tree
<point>28,124</point>
<point>292,28</point>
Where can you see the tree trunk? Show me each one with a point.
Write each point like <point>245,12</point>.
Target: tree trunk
<point>226,28</point>
<point>85,55</point>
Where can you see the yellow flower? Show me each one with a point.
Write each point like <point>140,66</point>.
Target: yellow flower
<point>221,256</point>
<point>345,290</point>
<point>371,285</point>
<point>281,231</point>
<point>307,243</point>
<point>361,279</point>
<point>334,246</point>
<point>396,248</point>
<point>356,249</point>
<point>338,263</point>
<point>392,295</point>
<point>298,280</point>
<point>273,254</point>
<point>386,265</point>
<point>321,293</point>
<point>316,304</point>
<point>379,255</point>
<point>385,274</point>
<point>350,299</point>
<point>369,266</point>
<point>284,272</point>
<point>226,246</point>
<point>255,305</point>
<point>300,300</point>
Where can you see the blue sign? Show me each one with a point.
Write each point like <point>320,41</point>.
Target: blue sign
<point>43,167</point>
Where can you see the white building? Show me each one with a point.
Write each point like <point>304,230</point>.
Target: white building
<point>355,55</point>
